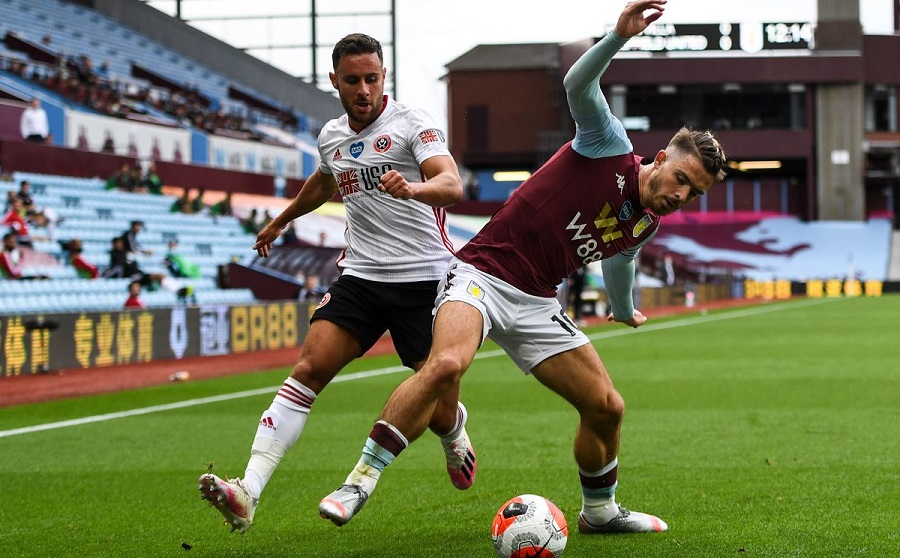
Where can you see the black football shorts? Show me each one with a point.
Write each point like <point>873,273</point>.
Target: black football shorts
<point>369,308</point>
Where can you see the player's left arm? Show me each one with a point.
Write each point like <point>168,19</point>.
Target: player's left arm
<point>442,185</point>
<point>618,278</point>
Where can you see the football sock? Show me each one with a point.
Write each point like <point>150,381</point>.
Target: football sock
<point>598,490</point>
<point>383,445</point>
<point>279,427</point>
<point>459,428</point>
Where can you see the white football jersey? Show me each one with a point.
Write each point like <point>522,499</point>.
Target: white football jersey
<point>388,239</point>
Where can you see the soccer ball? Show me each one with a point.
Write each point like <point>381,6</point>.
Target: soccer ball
<point>529,526</point>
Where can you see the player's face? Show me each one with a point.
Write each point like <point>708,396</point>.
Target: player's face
<point>675,181</point>
<point>359,79</point>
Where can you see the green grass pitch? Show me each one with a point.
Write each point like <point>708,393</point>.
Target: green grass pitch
<point>764,431</point>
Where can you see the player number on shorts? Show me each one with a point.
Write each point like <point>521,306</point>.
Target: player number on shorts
<point>566,323</point>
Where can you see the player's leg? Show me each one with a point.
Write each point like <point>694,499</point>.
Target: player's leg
<point>341,329</point>
<point>458,332</point>
<point>410,325</point>
<point>579,376</point>
<point>326,350</point>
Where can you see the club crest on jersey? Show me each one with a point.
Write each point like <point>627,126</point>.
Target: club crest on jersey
<point>324,300</point>
<point>431,136</point>
<point>475,290</point>
<point>337,155</point>
<point>641,225</point>
<point>626,212</point>
<point>356,149</point>
<point>382,143</point>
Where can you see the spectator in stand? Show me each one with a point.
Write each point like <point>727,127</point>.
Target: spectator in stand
<point>222,207</point>
<point>15,220</point>
<point>10,200</point>
<point>251,222</point>
<point>289,236</point>
<point>576,295</point>
<point>266,219</point>
<point>122,265</point>
<point>135,182</point>
<point>182,204</point>
<point>198,206</point>
<point>151,181</point>
<point>24,195</point>
<point>134,296</point>
<point>34,124</point>
<point>178,265</point>
<point>121,179</point>
<point>84,268</point>
<point>11,258</point>
<point>130,239</point>
<point>311,291</point>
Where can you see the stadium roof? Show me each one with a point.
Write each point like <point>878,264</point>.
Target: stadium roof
<point>508,57</point>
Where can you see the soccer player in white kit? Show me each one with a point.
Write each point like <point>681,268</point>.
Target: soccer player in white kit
<point>391,165</point>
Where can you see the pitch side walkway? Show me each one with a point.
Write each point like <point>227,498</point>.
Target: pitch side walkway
<point>34,388</point>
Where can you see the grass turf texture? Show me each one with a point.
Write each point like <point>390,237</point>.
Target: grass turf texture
<point>766,431</point>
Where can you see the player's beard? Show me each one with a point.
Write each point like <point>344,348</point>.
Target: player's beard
<point>657,203</point>
<point>361,120</point>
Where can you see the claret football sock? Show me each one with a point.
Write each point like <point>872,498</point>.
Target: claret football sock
<point>279,428</point>
<point>598,489</point>
<point>383,445</point>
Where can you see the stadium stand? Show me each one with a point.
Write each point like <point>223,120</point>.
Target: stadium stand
<point>88,211</point>
<point>146,78</point>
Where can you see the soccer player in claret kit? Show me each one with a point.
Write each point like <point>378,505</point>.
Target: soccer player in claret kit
<point>593,200</point>
<point>392,168</point>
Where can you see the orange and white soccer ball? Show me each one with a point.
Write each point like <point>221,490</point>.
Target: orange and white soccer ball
<point>529,526</point>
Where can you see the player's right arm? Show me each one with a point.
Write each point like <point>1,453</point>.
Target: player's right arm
<point>318,189</point>
<point>597,132</point>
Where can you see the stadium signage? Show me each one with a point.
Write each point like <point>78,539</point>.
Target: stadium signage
<point>98,339</point>
<point>744,37</point>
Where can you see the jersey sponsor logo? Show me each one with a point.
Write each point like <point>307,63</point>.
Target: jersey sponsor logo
<point>626,212</point>
<point>607,224</point>
<point>475,290</point>
<point>348,182</point>
<point>382,143</point>
<point>431,136</point>
<point>620,182</point>
<point>337,155</point>
<point>642,225</point>
<point>356,149</point>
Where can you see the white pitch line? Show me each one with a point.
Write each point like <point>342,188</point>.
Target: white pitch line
<point>728,315</point>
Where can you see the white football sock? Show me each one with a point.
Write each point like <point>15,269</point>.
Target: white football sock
<point>279,428</point>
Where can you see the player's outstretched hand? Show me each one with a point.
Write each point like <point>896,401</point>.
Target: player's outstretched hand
<point>393,183</point>
<point>633,21</point>
<point>265,238</point>
<point>636,321</point>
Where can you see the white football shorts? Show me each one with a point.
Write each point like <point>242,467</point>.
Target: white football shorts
<point>529,328</point>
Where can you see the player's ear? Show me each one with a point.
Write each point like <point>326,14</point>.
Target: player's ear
<point>333,77</point>
<point>660,158</point>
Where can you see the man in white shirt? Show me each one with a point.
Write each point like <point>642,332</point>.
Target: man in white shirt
<point>34,125</point>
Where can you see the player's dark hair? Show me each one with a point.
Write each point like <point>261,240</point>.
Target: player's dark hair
<point>705,146</point>
<point>355,43</point>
